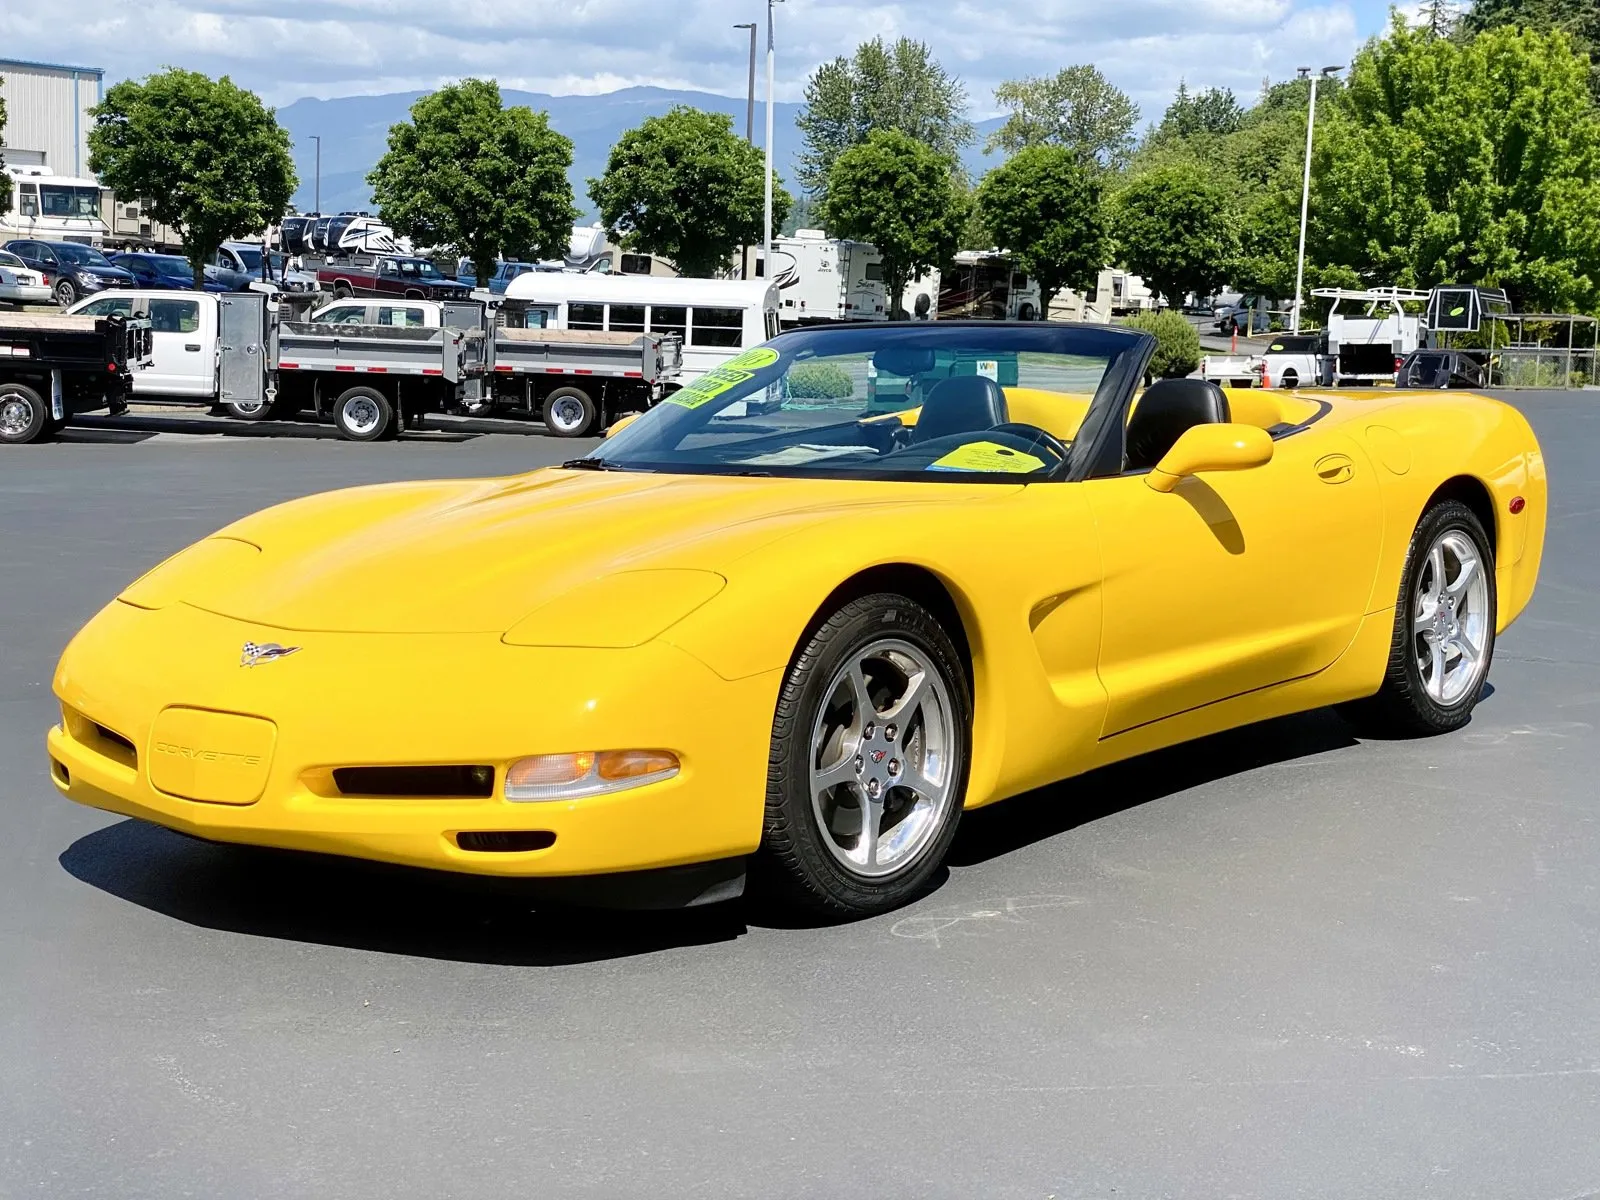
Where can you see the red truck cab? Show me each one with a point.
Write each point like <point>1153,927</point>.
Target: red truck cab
<point>401,276</point>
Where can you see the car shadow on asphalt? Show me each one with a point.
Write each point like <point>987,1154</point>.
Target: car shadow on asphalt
<point>1047,812</point>
<point>323,899</point>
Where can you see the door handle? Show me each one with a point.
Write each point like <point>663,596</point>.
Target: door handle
<point>194,346</point>
<point>1335,468</point>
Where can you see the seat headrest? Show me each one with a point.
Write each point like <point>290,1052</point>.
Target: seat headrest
<point>904,360</point>
<point>961,404</point>
<point>1167,410</point>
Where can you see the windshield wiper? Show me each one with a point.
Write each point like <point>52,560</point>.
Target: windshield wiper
<point>588,464</point>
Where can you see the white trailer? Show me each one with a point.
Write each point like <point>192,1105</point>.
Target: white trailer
<point>822,279</point>
<point>1370,332</point>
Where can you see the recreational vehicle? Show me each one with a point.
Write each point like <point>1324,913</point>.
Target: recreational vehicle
<point>822,279</point>
<point>48,207</point>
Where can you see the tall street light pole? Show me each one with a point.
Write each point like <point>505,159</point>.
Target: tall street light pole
<point>1305,187</point>
<point>316,205</point>
<point>749,129</point>
<point>766,226</point>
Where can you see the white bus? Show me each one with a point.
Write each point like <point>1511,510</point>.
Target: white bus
<point>716,318</point>
<point>47,207</point>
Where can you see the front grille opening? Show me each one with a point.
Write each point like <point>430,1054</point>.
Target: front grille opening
<point>512,842</point>
<point>94,736</point>
<point>116,739</point>
<point>462,783</point>
<point>59,770</point>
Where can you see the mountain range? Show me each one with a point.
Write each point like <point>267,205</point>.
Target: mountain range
<point>355,129</point>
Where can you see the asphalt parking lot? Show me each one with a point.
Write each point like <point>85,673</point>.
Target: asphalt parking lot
<point>1279,963</point>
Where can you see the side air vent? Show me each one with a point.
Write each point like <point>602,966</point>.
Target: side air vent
<point>515,842</point>
<point>458,783</point>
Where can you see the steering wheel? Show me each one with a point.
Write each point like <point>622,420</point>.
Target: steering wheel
<point>1032,433</point>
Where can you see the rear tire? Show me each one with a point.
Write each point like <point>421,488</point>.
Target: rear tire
<point>363,414</point>
<point>872,732</point>
<point>570,412</point>
<point>1444,625</point>
<point>24,415</point>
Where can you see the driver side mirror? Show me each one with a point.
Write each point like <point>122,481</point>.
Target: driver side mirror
<point>1211,448</point>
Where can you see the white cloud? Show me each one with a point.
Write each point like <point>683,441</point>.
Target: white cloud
<point>287,49</point>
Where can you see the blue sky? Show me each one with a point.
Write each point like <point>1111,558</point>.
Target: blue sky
<point>287,49</point>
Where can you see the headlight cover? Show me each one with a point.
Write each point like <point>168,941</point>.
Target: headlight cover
<point>586,773</point>
<point>178,577</point>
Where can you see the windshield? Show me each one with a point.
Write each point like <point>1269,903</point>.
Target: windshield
<point>419,267</point>
<point>957,402</point>
<point>250,256</point>
<point>56,200</point>
<point>87,255</point>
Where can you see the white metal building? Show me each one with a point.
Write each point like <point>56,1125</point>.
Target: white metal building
<point>47,114</point>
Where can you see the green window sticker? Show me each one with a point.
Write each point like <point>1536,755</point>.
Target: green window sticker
<point>718,380</point>
<point>989,458</point>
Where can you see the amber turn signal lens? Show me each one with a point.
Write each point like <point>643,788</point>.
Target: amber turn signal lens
<point>586,773</point>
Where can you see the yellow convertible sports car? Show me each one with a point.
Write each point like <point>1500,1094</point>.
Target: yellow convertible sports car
<point>801,615</point>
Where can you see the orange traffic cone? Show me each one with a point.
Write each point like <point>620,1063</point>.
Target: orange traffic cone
<point>1266,378</point>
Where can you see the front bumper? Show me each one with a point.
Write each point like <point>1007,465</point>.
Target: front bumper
<point>25,293</point>
<point>412,700</point>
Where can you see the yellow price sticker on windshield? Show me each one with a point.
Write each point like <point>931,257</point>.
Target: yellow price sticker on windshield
<point>990,457</point>
<point>729,375</point>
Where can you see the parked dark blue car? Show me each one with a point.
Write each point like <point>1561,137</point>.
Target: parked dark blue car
<point>168,271</point>
<point>72,269</point>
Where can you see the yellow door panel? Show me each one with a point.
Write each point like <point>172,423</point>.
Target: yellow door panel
<point>1235,580</point>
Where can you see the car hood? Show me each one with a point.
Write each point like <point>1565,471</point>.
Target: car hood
<point>479,556</point>
<point>105,272</point>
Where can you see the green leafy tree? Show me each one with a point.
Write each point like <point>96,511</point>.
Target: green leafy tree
<point>472,178</point>
<point>208,159</point>
<point>1174,229</point>
<point>898,86</point>
<point>685,187</point>
<point>898,194</point>
<point>1473,161</point>
<point>1177,343</point>
<point>1078,108</point>
<point>5,193</point>
<point>1579,19</point>
<point>1215,112</point>
<point>1044,206</point>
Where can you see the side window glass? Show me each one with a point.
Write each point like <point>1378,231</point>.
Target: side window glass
<point>669,318</point>
<point>717,327</point>
<point>586,316</point>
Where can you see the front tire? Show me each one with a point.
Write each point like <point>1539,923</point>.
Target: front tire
<point>24,415</point>
<point>363,414</point>
<point>867,773</point>
<point>66,293</point>
<point>569,412</point>
<point>1444,629</point>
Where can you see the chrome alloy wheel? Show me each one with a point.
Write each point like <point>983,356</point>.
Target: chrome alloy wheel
<point>882,775</point>
<point>16,414</point>
<point>566,414</point>
<point>361,415</point>
<point>1450,619</point>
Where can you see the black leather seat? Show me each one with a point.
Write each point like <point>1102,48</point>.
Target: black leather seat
<point>961,404</point>
<point>1169,408</point>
